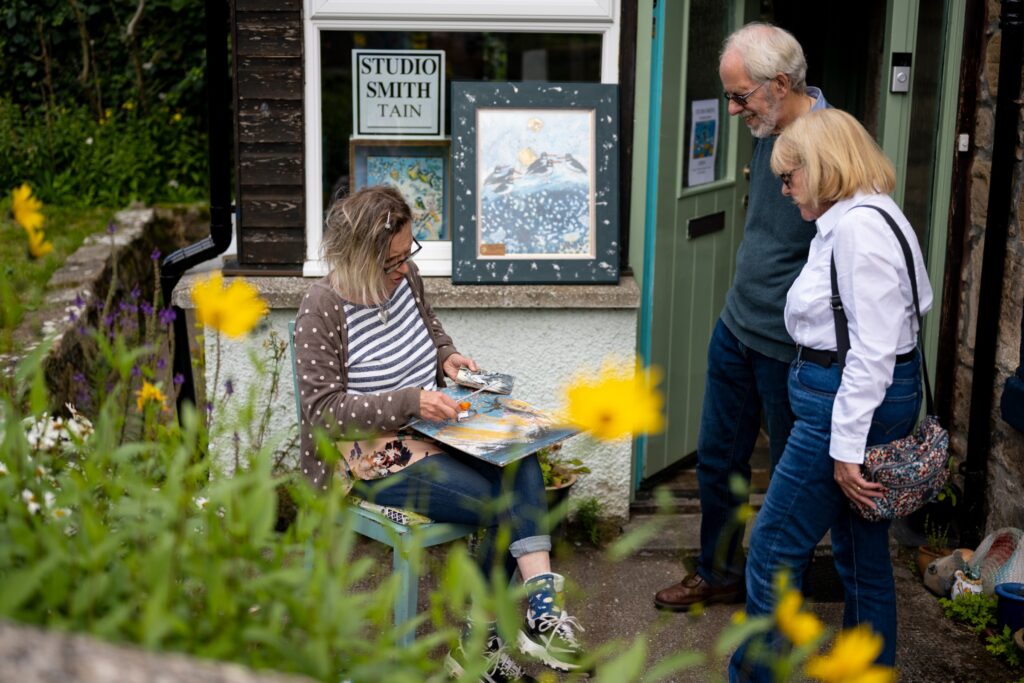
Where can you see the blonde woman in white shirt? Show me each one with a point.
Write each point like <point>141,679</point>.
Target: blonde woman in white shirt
<point>835,173</point>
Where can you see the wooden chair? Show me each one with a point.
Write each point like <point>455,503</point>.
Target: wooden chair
<point>380,523</point>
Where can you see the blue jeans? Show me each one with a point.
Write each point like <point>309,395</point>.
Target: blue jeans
<point>741,383</point>
<point>461,489</point>
<point>804,501</point>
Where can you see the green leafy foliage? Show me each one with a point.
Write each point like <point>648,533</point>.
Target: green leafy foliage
<point>102,103</point>
<point>976,610</point>
<point>587,516</point>
<point>1001,645</point>
<point>558,471</point>
<point>73,159</point>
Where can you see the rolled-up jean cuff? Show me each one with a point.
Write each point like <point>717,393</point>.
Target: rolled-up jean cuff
<point>530,544</point>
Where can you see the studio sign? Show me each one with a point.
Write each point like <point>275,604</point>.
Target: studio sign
<point>398,93</point>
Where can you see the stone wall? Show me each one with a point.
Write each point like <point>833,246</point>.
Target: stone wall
<point>30,655</point>
<point>65,319</point>
<point>1005,495</point>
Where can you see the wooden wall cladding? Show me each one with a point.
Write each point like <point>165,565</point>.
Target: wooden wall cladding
<point>269,127</point>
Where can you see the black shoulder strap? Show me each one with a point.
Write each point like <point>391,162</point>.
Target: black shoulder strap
<point>842,326</point>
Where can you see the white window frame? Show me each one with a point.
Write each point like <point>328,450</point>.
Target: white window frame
<point>524,16</point>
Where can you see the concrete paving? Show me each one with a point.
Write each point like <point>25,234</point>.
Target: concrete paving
<point>613,601</point>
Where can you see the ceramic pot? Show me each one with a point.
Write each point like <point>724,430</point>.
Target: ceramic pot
<point>1010,608</point>
<point>926,554</point>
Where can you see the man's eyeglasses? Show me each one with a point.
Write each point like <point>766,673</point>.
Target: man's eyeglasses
<point>742,99</point>
<point>397,263</point>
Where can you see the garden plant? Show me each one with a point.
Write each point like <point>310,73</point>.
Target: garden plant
<point>118,519</point>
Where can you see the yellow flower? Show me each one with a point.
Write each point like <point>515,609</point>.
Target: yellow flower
<point>26,208</point>
<point>176,117</point>
<point>851,658</point>
<point>38,247</point>
<point>799,627</point>
<point>128,106</point>
<point>233,310</point>
<point>147,393</point>
<point>619,402</point>
<point>745,512</point>
<point>739,617</point>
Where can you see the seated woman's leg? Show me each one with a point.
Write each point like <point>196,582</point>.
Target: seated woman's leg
<point>521,507</point>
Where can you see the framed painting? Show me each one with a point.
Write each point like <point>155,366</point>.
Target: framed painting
<point>417,168</point>
<point>535,171</point>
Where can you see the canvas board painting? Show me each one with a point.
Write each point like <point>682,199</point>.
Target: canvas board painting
<point>535,183</point>
<point>535,186</point>
<point>417,169</point>
<point>500,429</point>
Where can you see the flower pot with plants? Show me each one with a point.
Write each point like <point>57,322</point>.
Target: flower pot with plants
<point>559,476</point>
<point>936,545</point>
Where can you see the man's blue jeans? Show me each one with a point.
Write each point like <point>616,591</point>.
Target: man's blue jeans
<point>461,489</point>
<point>741,383</point>
<point>804,501</point>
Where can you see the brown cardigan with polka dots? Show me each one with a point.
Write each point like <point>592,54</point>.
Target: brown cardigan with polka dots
<point>321,367</point>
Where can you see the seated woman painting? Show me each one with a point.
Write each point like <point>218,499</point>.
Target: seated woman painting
<point>370,357</point>
<point>839,178</point>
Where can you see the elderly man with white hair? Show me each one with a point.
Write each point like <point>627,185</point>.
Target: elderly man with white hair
<point>763,71</point>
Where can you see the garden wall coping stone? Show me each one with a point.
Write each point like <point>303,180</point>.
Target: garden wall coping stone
<point>31,655</point>
<point>286,292</point>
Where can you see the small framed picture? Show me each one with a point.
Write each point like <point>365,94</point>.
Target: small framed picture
<point>417,168</point>
<point>535,177</point>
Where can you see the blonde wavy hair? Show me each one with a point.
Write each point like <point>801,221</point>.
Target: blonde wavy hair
<point>357,235</point>
<point>838,156</point>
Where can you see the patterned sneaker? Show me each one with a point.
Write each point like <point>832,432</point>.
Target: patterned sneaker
<point>551,638</point>
<point>501,668</point>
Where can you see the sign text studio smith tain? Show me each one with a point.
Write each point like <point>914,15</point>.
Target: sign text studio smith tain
<point>398,92</point>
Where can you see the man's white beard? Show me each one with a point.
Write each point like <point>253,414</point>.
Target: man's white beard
<point>769,120</point>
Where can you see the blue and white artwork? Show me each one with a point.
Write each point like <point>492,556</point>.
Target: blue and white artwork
<point>535,183</point>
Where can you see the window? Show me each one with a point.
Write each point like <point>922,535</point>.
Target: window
<point>553,40</point>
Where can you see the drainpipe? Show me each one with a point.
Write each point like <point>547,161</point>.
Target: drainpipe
<point>1004,146</point>
<point>218,98</point>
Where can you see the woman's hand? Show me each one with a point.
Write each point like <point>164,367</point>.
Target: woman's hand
<point>436,406</point>
<point>856,487</point>
<point>455,361</point>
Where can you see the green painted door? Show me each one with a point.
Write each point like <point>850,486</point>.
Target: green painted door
<point>692,269</point>
<point>851,49</point>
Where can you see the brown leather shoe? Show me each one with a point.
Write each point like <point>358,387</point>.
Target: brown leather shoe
<point>693,589</point>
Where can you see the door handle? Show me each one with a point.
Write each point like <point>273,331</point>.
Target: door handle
<point>746,172</point>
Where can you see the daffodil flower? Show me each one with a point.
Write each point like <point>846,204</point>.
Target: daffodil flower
<point>38,246</point>
<point>851,659</point>
<point>149,393</point>
<point>799,627</point>
<point>620,401</point>
<point>233,310</point>
<point>26,208</point>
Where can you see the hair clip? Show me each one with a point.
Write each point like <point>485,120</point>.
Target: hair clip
<point>387,221</point>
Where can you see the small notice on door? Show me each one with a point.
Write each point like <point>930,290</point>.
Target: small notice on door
<point>703,142</point>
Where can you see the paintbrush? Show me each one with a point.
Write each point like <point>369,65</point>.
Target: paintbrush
<point>461,400</point>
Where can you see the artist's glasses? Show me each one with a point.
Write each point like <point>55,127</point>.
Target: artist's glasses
<point>742,99</point>
<point>396,263</point>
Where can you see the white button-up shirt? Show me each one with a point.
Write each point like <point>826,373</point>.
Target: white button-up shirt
<point>875,289</point>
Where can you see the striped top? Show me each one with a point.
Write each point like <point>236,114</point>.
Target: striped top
<point>393,354</point>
